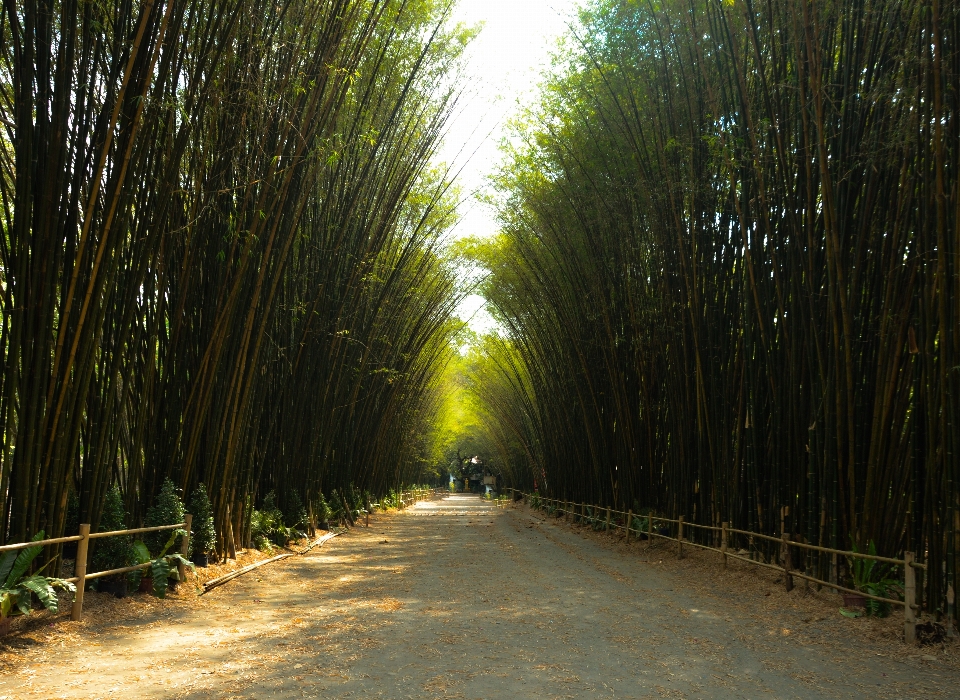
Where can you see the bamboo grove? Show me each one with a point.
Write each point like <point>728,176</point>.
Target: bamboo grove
<point>728,272</point>
<point>222,253</point>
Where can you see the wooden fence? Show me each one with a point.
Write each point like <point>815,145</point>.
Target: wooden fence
<point>414,495</point>
<point>80,575</point>
<point>909,562</point>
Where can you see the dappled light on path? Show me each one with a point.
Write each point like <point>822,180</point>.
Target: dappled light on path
<point>456,598</point>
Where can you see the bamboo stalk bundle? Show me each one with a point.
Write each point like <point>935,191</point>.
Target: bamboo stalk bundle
<point>221,257</point>
<point>728,274</point>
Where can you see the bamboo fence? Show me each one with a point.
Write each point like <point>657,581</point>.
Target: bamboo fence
<point>80,577</point>
<point>785,542</point>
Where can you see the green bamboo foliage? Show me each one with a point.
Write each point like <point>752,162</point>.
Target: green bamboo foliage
<point>729,274</point>
<point>221,259</point>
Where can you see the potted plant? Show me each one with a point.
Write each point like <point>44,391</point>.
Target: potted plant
<point>111,552</point>
<point>17,589</point>
<point>204,538</point>
<point>163,568</point>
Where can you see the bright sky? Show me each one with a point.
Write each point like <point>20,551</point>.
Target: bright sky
<point>503,64</point>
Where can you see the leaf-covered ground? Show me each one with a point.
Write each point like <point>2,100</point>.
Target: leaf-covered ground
<point>457,599</point>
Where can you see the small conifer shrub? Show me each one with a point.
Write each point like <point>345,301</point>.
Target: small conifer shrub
<point>167,510</point>
<point>111,552</point>
<point>204,539</point>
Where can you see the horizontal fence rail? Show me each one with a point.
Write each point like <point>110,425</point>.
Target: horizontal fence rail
<point>39,543</point>
<point>81,576</point>
<point>909,563</point>
<point>414,495</point>
<point>80,568</point>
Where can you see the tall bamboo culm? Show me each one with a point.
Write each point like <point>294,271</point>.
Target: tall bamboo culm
<point>729,274</point>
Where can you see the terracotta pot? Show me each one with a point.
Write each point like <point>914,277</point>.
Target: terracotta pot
<point>5,623</point>
<point>854,600</point>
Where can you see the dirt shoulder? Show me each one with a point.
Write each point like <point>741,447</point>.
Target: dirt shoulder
<point>458,599</point>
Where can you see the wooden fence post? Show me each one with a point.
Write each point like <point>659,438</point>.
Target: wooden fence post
<point>185,546</point>
<point>649,530</point>
<point>680,537</point>
<point>80,571</point>
<point>787,563</point>
<point>909,599</point>
<point>607,528</point>
<point>723,542</point>
<point>629,524</point>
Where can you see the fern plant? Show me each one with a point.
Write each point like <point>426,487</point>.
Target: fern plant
<point>18,588</point>
<point>267,528</point>
<point>873,578</point>
<point>390,500</point>
<point>640,524</point>
<point>164,566</point>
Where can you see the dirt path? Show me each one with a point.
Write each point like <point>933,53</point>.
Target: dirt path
<point>456,599</point>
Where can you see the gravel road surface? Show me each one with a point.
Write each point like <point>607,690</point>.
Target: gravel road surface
<point>456,598</point>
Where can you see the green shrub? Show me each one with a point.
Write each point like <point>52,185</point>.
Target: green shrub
<point>163,567</point>
<point>641,524</point>
<point>356,498</point>
<point>874,578</point>
<point>167,510</point>
<point>322,510</point>
<point>337,503</point>
<point>295,513</point>
<point>391,500</point>
<point>267,527</point>
<point>355,502</point>
<point>111,552</point>
<point>204,535</point>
